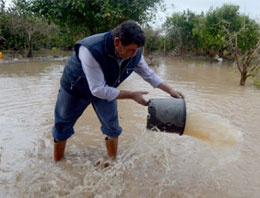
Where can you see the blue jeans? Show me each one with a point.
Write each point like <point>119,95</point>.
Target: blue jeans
<point>70,107</point>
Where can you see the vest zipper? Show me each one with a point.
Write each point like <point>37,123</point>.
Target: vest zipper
<point>120,72</point>
<point>74,83</point>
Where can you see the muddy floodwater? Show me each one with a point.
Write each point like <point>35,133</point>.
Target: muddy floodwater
<point>149,164</point>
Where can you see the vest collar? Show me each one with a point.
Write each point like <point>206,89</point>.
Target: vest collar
<point>109,45</point>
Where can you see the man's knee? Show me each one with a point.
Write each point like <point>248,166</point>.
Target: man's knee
<point>114,132</point>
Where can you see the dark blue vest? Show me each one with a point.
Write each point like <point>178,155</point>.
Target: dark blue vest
<point>101,47</point>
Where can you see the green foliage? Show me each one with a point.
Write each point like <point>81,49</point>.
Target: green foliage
<point>59,24</point>
<point>155,41</point>
<point>14,37</point>
<point>92,16</point>
<point>256,79</point>
<point>50,23</point>
<point>250,34</point>
<point>229,17</point>
<point>257,82</point>
<point>22,30</point>
<point>205,34</point>
<point>180,29</point>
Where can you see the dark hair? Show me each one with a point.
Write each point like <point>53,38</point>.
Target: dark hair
<point>129,32</point>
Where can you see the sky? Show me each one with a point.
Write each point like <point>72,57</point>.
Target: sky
<point>248,7</point>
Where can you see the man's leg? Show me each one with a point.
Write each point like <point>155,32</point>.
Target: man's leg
<point>111,145</point>
<point>108,116</point>
<point>67,110</point>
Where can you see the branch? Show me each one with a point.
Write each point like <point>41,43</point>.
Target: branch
<point>249,75</point>
<point>253,52</point>
<point>237,62</point>
<point>255,67</point>
<point>232,36</point>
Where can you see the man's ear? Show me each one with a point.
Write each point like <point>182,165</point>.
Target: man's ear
<point>117,42</point>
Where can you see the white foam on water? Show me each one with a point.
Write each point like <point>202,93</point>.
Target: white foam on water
<point>155,164</point>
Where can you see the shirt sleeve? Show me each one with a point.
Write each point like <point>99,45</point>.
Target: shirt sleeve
<point>147,74</point>
<point>95,76</point>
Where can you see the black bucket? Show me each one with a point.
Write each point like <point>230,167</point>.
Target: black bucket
<point>167,115</point>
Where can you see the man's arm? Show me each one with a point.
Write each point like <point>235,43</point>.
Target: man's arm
<point>95,76</point>
<point>147,74</point>
<point>97,84</point>
<point>151,77</point>
<point>163,86</point>
<point>137,96</point>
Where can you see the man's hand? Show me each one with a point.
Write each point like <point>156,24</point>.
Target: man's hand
<point>135,95</point>
<point>176,94</point>
<point>163,86</point>
<point>138,97</point>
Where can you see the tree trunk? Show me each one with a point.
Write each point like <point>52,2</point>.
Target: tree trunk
<point>243,78</point>
<point>164,47</point>
<point>30,49</point>
<point>30,46</point>
<point>30,54</point>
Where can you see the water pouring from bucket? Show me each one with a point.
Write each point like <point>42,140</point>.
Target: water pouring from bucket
<point>170,115</point>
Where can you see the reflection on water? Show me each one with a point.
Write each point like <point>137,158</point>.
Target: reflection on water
<point>149,164</point>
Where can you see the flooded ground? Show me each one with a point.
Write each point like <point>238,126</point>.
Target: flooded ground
<point>149,164</point>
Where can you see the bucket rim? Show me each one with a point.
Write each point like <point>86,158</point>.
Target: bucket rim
<point>185,115</point>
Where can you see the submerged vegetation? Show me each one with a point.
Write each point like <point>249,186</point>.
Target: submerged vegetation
<point>221,33</point>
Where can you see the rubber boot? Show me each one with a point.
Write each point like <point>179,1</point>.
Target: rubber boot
<point>111,144</point>
<point>59,148</point>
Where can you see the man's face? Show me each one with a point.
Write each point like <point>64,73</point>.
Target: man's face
<point>125,51</point>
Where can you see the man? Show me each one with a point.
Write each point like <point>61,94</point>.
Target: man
<point>101,62</point>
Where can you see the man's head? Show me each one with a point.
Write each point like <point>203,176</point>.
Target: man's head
<point>128,38</point>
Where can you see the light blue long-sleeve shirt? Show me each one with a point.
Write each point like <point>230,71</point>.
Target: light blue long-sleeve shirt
<point>96,80</point>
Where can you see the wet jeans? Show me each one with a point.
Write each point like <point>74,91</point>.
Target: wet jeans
<point>70,107</point>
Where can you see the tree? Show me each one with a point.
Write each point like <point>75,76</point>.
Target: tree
<point>244,45</point>
<point>12,37</point>
<point>180,27</point>
<point>34,29</point>
<point>211,32</point>
<point>92,16</point>
<point>154,40</point>
<point>22,30</point>
<point>2,10</point>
